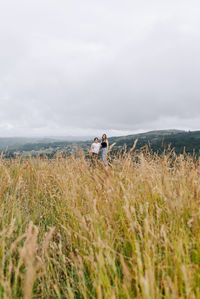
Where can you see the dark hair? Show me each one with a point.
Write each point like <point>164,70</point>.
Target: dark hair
<point>104,137</point>
<point>96,138</point>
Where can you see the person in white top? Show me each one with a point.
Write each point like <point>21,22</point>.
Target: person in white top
<point>94,150</point>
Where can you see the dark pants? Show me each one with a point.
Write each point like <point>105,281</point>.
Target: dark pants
<point>94,158</point>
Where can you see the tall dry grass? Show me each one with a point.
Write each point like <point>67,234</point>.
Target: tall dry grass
<point>69,230</point>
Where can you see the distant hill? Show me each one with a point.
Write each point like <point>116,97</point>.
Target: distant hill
<point>17,143</point>
<point>157,141</point>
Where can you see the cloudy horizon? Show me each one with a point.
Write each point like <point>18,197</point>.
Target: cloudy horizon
<point>82,68</point>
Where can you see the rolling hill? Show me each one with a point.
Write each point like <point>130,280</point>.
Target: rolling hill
<point>157,141</point>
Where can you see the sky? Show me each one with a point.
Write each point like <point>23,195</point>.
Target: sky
<point>89,67</point>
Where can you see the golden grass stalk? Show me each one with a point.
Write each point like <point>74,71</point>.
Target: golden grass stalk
<point>69,230</point>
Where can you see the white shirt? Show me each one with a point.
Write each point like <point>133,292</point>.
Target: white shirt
<point>95,147</point>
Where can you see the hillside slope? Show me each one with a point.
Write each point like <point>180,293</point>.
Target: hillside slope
<point>157,141</point>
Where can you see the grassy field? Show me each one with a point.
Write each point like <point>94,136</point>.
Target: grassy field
<point>69,230</point>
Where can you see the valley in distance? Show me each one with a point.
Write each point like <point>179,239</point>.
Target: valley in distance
<point>178,140</point>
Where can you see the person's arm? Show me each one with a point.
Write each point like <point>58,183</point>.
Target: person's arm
<point>91,149</point>
<point>107,143</point>
<point>99,147</point>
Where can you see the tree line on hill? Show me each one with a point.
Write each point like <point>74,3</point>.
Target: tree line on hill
<point>156,141</point>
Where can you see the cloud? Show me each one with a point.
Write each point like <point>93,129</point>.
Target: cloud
<point>85,67</point>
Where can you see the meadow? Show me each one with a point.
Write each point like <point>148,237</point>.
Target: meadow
<point>69,230</point>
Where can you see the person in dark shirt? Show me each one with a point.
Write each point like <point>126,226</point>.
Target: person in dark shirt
<point>104,149</point>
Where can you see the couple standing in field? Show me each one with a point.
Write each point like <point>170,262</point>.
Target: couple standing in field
<point>101,148</point>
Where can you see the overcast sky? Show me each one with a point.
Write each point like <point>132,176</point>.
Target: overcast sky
<point>80,67</point>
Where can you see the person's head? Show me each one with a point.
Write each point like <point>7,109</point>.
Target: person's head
<point>96,140</point>
<point>104,137</point>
